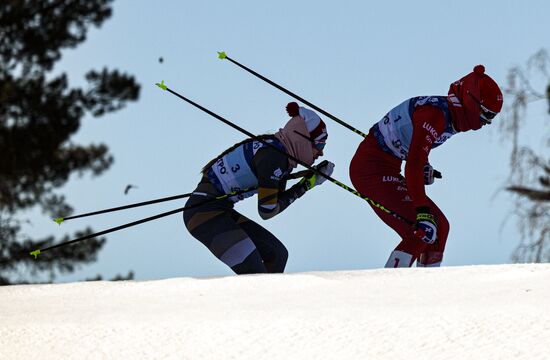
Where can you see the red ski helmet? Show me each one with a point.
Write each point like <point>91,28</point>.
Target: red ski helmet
<point>475,100</point>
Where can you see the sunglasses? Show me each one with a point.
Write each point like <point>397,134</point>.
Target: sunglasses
<point>318,144</point>
<point>486,115</point>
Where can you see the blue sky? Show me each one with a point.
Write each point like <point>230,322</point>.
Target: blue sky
<point>354,59</point>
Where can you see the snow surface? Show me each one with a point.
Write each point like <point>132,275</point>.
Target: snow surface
<point>472,312</point>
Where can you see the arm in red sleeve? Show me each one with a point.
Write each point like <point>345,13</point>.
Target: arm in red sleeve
<point>428,125</point>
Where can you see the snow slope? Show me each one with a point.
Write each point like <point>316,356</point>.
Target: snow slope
<point>475,312</point>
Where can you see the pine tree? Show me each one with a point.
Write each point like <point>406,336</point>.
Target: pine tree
<point>38,115</point>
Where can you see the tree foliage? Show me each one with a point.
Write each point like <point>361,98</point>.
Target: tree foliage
<point>39,113</point>
<point>529,177</point>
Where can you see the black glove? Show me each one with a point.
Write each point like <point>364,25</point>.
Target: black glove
<point>429,174</point>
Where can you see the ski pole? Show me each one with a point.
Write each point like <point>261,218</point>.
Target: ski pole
<point>222,55</point>
<point>37,252</point>
<point>60,220</point>
<point>163,86</point>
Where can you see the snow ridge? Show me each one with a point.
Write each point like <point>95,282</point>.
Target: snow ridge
<point>474,312</point>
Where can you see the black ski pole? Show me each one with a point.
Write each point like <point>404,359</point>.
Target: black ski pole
<point>60,220</point>
<point>222,55</point>
<point>163,86</point>
<point>37,252</point>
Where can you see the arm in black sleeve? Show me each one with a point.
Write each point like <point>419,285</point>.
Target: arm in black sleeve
<point>272,196</point>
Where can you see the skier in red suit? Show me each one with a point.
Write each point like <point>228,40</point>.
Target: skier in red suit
<point>408,133</point>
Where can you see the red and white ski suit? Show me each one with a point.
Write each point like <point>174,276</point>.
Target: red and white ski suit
<point>408,132</point>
